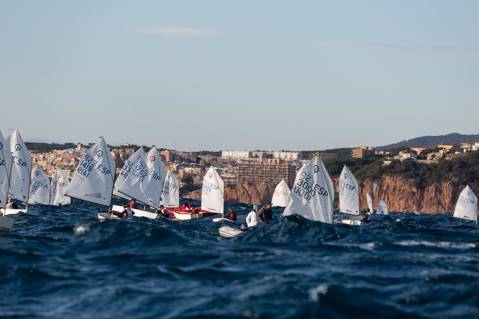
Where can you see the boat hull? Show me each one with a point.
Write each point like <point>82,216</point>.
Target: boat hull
<point>352,222</point>
<point>13,211</point>
<point>107,216</point>
<point>229,232</point>
<point>137,212</point>
<point>186,216</point>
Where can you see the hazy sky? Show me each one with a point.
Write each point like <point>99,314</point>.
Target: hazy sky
<point>204,74</point>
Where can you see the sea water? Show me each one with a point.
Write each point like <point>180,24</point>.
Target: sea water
<point>61,262</point>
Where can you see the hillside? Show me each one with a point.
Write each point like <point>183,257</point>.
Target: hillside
<point>432,141</point>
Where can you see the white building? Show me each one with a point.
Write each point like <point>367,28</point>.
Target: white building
<point>287,156</point>
<point>405,155</point>
<point>475,147</point>
<point>236,155</point>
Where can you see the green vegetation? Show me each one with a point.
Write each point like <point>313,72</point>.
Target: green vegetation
<point>335,166</point>
<point>462,170</point>
<point>48,147</point>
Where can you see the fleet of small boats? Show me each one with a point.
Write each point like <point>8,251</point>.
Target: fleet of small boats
<point>144,178</point>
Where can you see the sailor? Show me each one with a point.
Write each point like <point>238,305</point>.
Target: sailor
<point>123,214</point>
<point>132,204</point>
<point>252,219</point>
<point>367,218</point>
<point>231,214</point>
<point>162,211</point>
<point>266,213</point>
<point>11,204</point>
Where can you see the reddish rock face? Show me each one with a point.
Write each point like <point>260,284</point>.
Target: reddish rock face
<point>401,195</point>
<point>246,193</point>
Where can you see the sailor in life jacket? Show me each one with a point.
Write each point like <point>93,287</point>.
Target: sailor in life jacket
<point>252,218</point>
<point>367,218</point>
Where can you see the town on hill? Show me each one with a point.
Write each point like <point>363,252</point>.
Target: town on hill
<point>410,178</point>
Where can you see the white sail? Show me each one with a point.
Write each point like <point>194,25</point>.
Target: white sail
<point>312,196</point>
<point>170,196</point>
<point>93,179</point>
<point>5,165</point>
<point>281,195</point>
<point>348,193</point>
<point>39,187</point>
<point>145,181</point>
<point>212,193</point>
<point>466,207</point>
<point>382,208</point>
<point>21,168</point>
<point>370,203</point>
<point>127,167</point>
<point>57,190</point>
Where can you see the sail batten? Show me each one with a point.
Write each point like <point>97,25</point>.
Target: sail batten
<point>93,179</point>
<point>466,206</point>
<point>312,196</point>
<point>212,192</point>
<point>348,193</point>
<point>281,195</point>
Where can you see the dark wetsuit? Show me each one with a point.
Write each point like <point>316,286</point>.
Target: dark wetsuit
<point>265,214</point>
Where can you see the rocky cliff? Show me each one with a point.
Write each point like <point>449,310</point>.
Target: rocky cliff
<point>246,193</point>
<point>401,194</point>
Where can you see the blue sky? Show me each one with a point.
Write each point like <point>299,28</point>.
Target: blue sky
<point>204,74</point>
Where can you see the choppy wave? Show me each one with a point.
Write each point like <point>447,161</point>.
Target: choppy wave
<point>63,262</point>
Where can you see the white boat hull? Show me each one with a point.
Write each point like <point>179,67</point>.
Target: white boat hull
<point>143,213</point>
<point>137,212</point>
<point>229,232</point>
<point>6,223</point>
<point>107,216</point>
<point>352,222</point>
<point>186,216</point>
<point>13,211</point>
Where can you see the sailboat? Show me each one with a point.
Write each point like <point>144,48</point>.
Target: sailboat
<point>20,172</point>
<point>281,195</point>
<point>212,198</point>
<point>466,206</point>
<point>125,171</point>
<point>212,193</point>
<point>144,183</point>
<point>349,197</point>
<point>312,196</point>
<point>5,162</point>
<point>39,187</point>
<point>58,187</point>
<point>93,178</point>
<point>369,200</point>
<point>121,178</point>
<point>170,195</point>
<point>382,208</point>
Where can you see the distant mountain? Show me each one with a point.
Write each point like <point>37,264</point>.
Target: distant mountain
<point>432,141</point>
